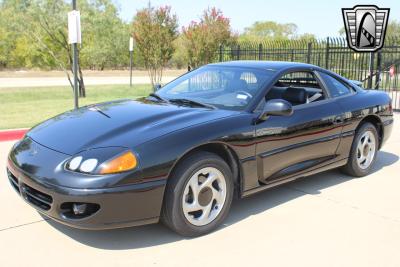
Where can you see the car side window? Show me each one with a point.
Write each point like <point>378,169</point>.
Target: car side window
<point>335,87</point>
<point>298,88</point>
<point>299,79</point>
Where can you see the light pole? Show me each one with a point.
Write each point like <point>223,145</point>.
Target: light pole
<point>74,37</point>
<point>131,58</point>
<point>75,65</point>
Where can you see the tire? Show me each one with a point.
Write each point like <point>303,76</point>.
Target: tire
<point>353,166</point>
<point>179,197</point>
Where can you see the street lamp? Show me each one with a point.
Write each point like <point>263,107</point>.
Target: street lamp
<point>74,37</point>
<point>131,57</point>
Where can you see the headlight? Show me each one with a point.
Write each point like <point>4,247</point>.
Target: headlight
<point>125,162</point>
<point>74,164</point>
<point>103,161</point>
<point>88,165</point>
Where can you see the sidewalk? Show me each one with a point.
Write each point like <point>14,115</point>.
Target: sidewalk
<point>31,78</point>
<point>63,81</point>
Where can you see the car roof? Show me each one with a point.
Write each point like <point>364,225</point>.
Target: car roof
<point>275,65</point>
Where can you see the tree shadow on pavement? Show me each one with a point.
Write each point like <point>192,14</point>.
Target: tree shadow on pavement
<point>157,234</point>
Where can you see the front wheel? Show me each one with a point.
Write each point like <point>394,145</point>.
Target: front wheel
<point>198,195</point>
<point>363,151</point>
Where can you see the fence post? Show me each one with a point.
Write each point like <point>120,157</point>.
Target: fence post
<point>259,51</point>
<point>327,54</point>
<point>220,53</point>
<point>309,48</point>
<point>371,69</point>
<point>238,53</point>
<point>379,70</point>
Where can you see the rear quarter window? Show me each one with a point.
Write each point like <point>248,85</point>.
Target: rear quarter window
<point>336,87</point>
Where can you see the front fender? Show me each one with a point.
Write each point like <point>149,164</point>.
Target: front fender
<point>160,155</point>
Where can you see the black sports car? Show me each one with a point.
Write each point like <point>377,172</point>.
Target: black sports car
<point>183,153</point>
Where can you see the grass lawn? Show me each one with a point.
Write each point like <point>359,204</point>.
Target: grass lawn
<point>25,107</point>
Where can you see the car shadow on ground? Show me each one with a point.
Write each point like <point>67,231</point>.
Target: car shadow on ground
<point>157,234</point>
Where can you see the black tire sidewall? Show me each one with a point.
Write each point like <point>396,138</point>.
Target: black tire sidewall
<point>355,169</point>
<point>180,178</point>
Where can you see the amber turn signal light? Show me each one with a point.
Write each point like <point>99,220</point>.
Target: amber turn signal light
<point>124,162</point>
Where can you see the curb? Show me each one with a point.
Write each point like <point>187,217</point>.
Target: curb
<point>9,135</point>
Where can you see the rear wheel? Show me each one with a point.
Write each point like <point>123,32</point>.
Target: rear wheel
<point>198,195</point>
<point>363,151</point>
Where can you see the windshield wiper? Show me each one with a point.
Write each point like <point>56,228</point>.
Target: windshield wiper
<point>190,102</point>
<point>158,97</point>
<point>97,109</point>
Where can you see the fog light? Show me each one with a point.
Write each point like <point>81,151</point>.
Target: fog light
<point>79,208</point>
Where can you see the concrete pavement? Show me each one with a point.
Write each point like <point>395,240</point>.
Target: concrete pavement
<point>328,219</point>
<point>31,78</point>
<point>63,81</point>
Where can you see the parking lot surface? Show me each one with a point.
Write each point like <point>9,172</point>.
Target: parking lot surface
<point>328,219</point>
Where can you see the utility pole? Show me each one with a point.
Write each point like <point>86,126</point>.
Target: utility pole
<point>74,37</point>
<point>75,65</point>
<point>131,58</point>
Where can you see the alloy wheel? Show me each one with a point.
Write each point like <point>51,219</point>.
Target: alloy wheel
<point>204,196</point>
<point>366,150</point>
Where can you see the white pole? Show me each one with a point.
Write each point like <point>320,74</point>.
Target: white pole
<point>131,58</point>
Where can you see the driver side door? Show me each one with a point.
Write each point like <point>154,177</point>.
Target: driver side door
<point>289,145</point>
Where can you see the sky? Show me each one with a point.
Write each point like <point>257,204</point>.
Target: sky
<point>320,17</point>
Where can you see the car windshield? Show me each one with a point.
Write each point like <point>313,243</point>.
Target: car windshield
<point>219,86</point>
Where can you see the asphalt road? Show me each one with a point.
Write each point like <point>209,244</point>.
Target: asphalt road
<point>328,219</point>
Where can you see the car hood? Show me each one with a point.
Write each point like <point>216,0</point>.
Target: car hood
<point>125,123</point>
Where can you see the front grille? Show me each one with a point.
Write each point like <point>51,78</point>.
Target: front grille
<point>37,198</point>
<point>13,180</point>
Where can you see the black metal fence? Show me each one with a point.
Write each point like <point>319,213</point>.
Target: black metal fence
<point>377,70</point>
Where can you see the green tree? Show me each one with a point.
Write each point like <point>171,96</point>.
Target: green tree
<point>262,30</point>
<point>12,52</point>
<point>202,39</point>
<point>34,34</point>
<point>393,29</point>
<point>155,30</point>
<point>48,30</point>
<point>180,59</point>
<point>105,36</point>
<point>307,37</point>
<point>104,33</point>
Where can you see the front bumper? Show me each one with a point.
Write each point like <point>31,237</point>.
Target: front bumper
<point>121,206</point>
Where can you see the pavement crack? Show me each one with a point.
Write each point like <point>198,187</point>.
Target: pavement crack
<point>21,225</point>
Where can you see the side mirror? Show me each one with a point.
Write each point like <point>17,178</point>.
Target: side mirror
<point>276,107</point>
